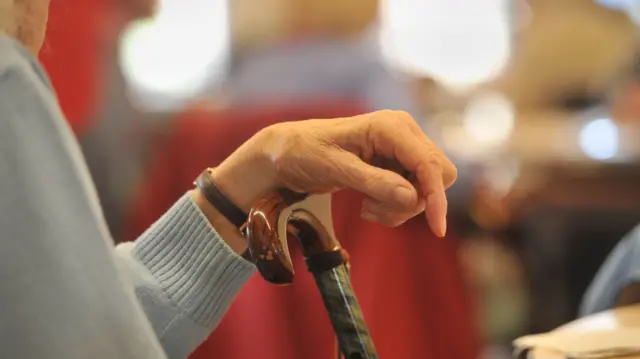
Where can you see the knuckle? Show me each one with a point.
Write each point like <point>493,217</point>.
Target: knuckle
<point>451,172</point>
<point>434,158</point>
<point>384,113</point>
<point>283,143</point>
<point>372,179</point>
<point>388,116</point>
<point>437,161</point>
<point>391,122</point>
<point>452,169</point>
<point>404,116</point>
<point>373,124</point>
<point>381,118</point>
<point>408,120</point>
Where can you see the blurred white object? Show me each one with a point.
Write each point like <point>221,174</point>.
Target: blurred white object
<point>485,128</point>
<point>173,56</point>
<point>610,334</point>
<point>631,7</point>
<point>616,4</point>
<point>634,11</point>
<point>460,43</point>
<point>501,175</point>
<point>489,119</point>
<point>600,139</point>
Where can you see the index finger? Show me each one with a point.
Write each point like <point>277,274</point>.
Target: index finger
<point>394,135</point>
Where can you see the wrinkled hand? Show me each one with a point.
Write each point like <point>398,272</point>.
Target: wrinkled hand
<point>384,155</point>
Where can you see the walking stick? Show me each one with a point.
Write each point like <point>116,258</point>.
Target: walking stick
<point>308,219</point>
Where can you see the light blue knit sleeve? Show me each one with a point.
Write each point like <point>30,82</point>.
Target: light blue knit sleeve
<point>184,275</point>
<point>621,268</point>
<point>64,293</point>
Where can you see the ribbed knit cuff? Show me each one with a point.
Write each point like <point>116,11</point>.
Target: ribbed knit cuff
<point>197,269</point>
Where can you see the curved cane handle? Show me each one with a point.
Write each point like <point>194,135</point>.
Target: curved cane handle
<point>308,219</point>
<point>285,212</point>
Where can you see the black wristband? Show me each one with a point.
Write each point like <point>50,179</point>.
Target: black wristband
<point>224,205</point>
<point>219,200</point>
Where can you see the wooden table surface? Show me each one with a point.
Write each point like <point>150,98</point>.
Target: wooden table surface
<point>619,318</point>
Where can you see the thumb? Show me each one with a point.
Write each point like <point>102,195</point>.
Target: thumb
<point>384,186</point>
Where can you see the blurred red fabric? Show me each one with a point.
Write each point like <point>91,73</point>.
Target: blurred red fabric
<point>409,283</point>
<point>72,55</point>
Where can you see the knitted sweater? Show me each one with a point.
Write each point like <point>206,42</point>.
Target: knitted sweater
<point>65,292</point>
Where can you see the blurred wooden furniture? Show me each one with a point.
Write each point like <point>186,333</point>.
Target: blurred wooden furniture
<point>283,20</point>
<point>599,185</point>
<point>568,48</point>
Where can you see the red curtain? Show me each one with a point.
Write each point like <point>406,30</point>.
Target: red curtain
<point>408,282</point>
<point>72,56</point>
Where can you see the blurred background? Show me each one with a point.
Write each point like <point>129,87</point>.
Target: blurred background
<point>537,102</point>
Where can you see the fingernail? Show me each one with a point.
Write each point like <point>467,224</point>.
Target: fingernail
<point>443,226</point>
<point>436,212</point>
<point>404,196</point>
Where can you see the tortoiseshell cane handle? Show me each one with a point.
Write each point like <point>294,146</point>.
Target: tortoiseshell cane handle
<point>324,257</point>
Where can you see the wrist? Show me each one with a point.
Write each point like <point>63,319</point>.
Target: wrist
<point>246,175</point>
<point>242,179</point>
<point>227,231</point>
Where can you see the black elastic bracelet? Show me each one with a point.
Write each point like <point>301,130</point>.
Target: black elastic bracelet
<point>219,200</point>
<point>224,205</point>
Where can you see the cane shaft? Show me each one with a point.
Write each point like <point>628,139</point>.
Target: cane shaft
<point>344,312</point>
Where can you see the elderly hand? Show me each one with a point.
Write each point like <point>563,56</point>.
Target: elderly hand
<point>369,153</point>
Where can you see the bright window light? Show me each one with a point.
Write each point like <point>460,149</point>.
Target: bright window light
<point>600,139</point>
<point>184,48</point>
<point>501,175</point>
<point>615,4</point>
<point>489,119</point>
<point>631,7</point>
<point>634,11</point>
<point>459,43</point>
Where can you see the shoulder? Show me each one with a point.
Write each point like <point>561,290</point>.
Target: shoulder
<point>26,95</point>
<point>33,129</point>
<point>17,64</point>
<point>36,139</point>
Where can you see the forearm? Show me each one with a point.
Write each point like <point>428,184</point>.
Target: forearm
<point>185,275</point>
<point>616,283</point>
